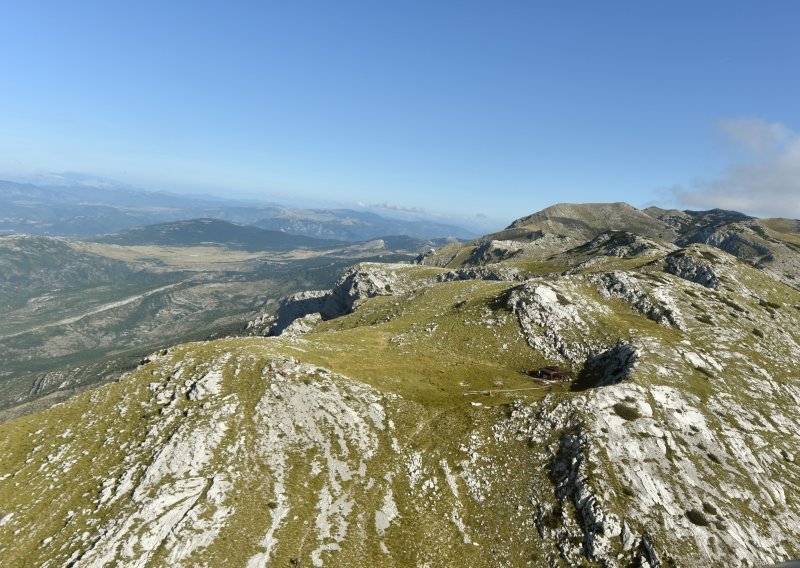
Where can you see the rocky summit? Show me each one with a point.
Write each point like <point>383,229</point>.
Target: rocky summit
<point>393,420</point>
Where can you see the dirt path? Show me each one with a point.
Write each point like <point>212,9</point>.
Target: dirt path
<point>93,312</point>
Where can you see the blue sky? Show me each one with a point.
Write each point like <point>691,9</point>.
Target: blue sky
<point>465,108</point>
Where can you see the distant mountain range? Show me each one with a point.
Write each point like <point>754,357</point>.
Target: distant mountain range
<point>87,210</point>
<point>194,232</point>
<point>351,225</point>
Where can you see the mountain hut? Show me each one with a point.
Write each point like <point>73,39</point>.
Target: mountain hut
<point>552,373</point>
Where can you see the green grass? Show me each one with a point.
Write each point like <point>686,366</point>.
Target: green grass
<point>418,353</point>
<point>627,412</point>
<point>428,353</point>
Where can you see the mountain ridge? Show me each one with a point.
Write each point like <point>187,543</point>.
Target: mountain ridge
<point>391,422</point>
<point>540,238</point>
<point>602,216</point>
<point>193,232</point>
<point>85,210</point>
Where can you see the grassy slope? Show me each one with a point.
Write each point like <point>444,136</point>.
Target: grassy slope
<point>379,346</point>
<point>421,352</point>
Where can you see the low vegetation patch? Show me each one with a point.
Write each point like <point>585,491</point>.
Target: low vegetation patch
<point>732,304</point>
<point>562,299</point>
<point>697,518</point>
<point>627,412</point>
<point>705,371</point>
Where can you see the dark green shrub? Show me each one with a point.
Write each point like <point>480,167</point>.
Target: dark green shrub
<point>627,412</point>
<point>562,300</point>
<point>769,305</point>
<point>732,304</point>
<point>697,518</point>
<point>705,371</point>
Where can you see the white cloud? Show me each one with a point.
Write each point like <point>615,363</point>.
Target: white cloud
<point>399,208</point>
<point>96,183</point>
<point>764,177</point>
<point>755,135</point>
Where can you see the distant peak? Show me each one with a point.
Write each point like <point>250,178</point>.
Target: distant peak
<point>573,210</point>
<point>596,215</point>
<point>720,214</point>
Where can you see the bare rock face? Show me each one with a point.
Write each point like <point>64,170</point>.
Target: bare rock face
<point>609,367</point>
<point>656,304</point>
<point>549,320</point>
<point>494,251</point>
<point>297,306</point>
<point>691,269</point>
<point>622,244</point>
<point>491,272</point>
<point>302,325</point>
<point>359,283</point>
<point>739,245</point>
<point>527,246</point>
<point>571,515</point>
<point>627,462</point>
<point>424,257</point>
<point>260,325</point>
